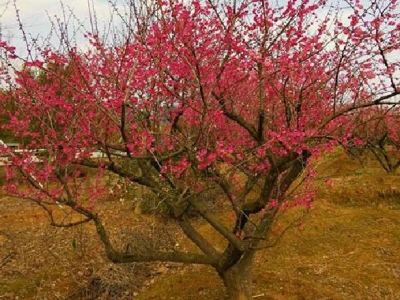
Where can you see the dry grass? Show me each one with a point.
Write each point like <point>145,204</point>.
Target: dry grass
<point>349,248</point>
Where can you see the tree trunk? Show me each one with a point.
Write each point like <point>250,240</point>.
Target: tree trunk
<point>238,279</point>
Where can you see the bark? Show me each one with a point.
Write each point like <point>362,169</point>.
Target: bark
<point>238,279</point>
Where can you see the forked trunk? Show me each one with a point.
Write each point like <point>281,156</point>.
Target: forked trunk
<point>238,279</point>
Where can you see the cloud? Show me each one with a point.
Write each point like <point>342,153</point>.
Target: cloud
<point>38,17</point>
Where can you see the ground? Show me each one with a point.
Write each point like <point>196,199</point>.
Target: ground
<point>347,248</point>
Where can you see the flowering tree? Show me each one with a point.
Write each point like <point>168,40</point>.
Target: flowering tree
<point>201,95</point>
<point>377,131</point>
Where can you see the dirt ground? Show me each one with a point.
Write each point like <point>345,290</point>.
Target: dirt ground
<point>348,248</point>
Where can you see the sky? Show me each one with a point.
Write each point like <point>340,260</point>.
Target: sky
<point>37,17</point>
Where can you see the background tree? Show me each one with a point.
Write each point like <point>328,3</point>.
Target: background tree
<point>376,132</point>
<point>233,97</point>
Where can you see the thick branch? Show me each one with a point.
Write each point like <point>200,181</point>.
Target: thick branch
<point>225,232</point>
<point>116,169</point>
<point>379,101</point>
<point>237,118</point>
<point>120,257</point>
<point>198,239</point>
